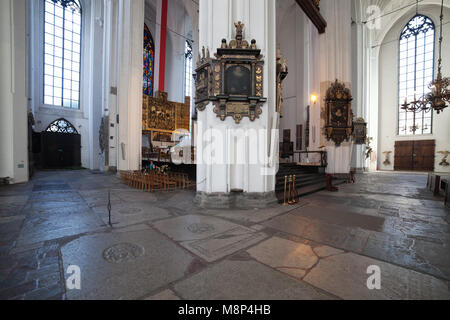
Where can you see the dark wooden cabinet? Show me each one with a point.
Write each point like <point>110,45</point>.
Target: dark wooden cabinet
<point>415,155</point>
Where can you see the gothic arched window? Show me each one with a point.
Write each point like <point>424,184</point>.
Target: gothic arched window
<point>62,53</point>
<point>61,126</point>
<point>149,62</point>
<point>188,69</point>
<point>416,70</point>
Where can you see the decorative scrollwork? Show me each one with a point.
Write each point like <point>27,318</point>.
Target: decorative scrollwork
<point>234,81</point>
<point>61,126</point>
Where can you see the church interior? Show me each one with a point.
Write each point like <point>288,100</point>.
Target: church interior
<point>224,150</point>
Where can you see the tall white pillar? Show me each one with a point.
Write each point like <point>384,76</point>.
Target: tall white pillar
<point>129,91</point>
<point>13,95</point>
<point>335,63</point>
<point>239,157</point>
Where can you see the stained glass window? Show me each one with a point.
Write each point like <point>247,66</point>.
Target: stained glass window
<point>61,126</point>
<point>416,71</point>
<point>188,69</point>
<point>149,62</point>
<point>62,53</point>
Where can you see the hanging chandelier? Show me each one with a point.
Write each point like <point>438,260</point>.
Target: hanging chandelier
<point>439,96</point>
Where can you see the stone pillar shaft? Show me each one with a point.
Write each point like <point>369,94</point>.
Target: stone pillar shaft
<point>234,156</point>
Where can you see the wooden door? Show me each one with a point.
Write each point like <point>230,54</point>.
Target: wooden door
<point>424,155</point>
<point>403,156</point>
<point>415,155</point>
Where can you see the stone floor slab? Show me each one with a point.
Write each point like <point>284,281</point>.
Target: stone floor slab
<point>193,227</point>
<point>281,253</point>
<point>129,213</point>
<point>166,295</point>
<point>346,277</point>
<point>124,265</point>
<point>245,280</point>
<point>325,251</point>
<point>224,244</point>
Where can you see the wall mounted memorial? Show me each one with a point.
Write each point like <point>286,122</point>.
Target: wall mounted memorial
<point>338,113</point>
<point>360,131</point>
<point>233,81</point>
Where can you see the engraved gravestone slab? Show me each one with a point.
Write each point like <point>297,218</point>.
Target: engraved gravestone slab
<point>123,252</point>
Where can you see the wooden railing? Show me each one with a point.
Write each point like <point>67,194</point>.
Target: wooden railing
<point>155,181</point>
<point>323,162</point>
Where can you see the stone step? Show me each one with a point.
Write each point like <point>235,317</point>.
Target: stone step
<point>301,184</point>
<point>304,191</point>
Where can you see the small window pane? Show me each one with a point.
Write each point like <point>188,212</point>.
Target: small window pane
<point>62,50</point>
<point>416,65</point>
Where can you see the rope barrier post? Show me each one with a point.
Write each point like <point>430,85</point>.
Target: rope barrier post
<point>285,190</point>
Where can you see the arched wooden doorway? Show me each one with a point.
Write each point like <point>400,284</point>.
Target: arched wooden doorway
<point>60,145</point>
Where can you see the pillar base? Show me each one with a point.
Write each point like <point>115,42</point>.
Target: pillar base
<point>241,201</point>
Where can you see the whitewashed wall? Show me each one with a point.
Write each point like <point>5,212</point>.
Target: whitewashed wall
<point>298,39</point>
<point>87,118</point>
<point>388,90</point>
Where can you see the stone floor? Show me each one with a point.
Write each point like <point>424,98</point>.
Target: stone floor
<point>162,247</point>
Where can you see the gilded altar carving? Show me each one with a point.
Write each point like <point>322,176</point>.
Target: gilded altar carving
<point>338,113</point>
<point>160,114</point>
<point>233,81</point>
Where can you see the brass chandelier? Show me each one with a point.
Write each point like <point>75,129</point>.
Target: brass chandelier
<point>439,97</point>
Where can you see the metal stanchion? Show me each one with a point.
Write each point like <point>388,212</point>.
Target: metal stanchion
<point>285,189</point>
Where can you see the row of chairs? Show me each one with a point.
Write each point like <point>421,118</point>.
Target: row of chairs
<point>155,181</point>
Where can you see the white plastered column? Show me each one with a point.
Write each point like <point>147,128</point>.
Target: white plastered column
<point>217,171</point>
<point>335,63</point>
<point>13,96</point>
<point>129,90</point>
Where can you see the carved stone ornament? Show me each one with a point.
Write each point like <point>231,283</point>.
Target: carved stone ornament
<point>338,113</point>
<point>360,131</point>
<point>233,81</point>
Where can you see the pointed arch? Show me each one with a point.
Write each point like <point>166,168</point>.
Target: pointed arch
<point>61,126</point>
<point>416,72</point>
<point>149,62</point>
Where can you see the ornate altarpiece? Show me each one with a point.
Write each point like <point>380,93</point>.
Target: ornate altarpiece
<point>161,115</point>
<point>338,113</point>
<point>233,81</point>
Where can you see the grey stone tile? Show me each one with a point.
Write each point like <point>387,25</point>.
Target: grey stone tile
<point>345,218</point>
<point>289,223</point>
<point>244,280</point>
<point>224,244</point>
<point>346,238</point>
<point>346,276</point>
<point>255,215</point>
<point>404,252</point>
<point>193,227</point>
<point>281,253</point>
<point>140,262</point>
<point>166,295</point>
<point>129,213</point>
<point>53,292</point>
<point>325,251</point>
